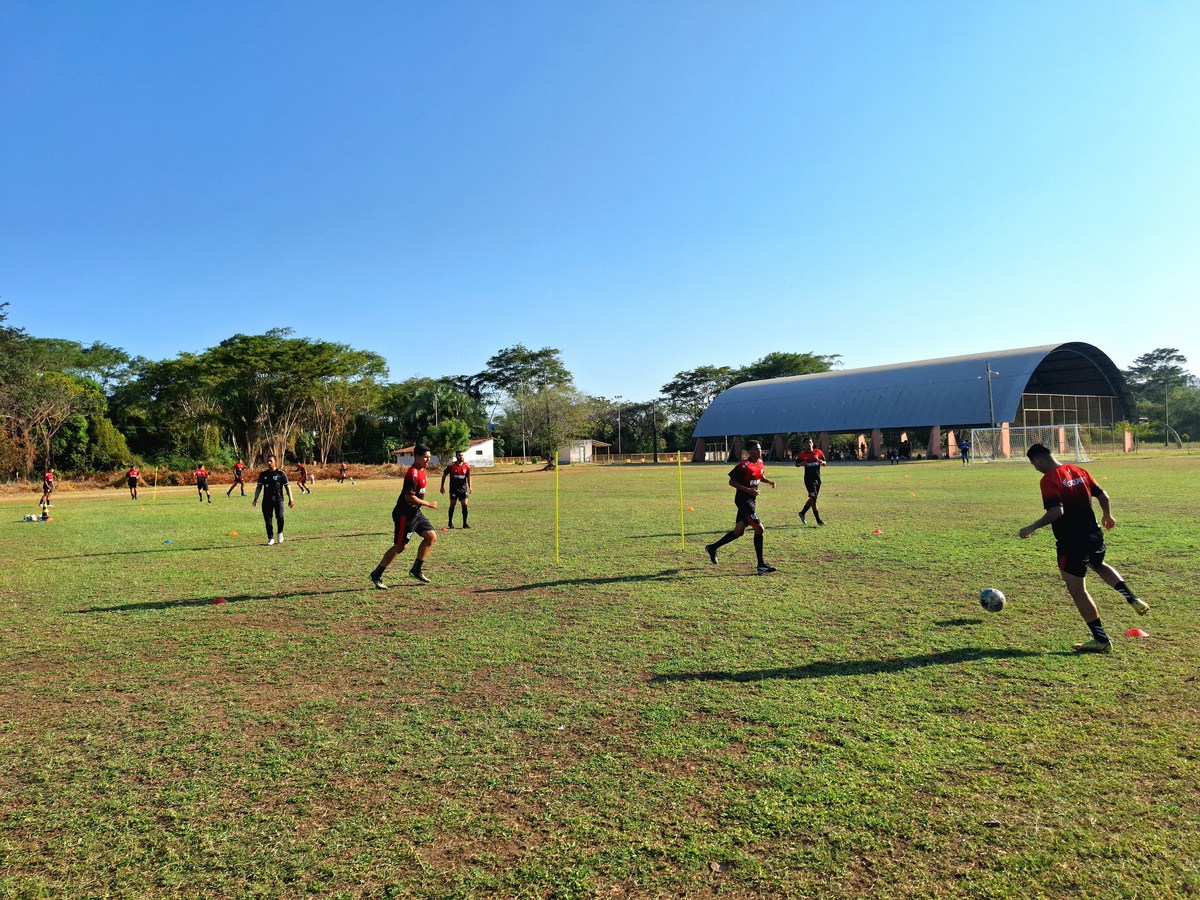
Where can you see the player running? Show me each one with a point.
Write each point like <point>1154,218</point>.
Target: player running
<point>201,474</point>
<point>239,478</point>
<point>47,489</point>
<point>302,478</point>
<point>812,460</point>
<point>342,474</point>
<point>744,478</point>
<point>131,479</point>
<point>459,474</point>
<point>1067,493</point>
<point>409,520</point>
<point>273,484</point>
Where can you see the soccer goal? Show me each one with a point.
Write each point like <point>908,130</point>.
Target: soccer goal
<point>999,444</point>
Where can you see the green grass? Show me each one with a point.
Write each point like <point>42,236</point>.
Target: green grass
<point>632,722</point>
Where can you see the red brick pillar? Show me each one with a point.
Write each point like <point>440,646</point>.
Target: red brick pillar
<point>777,447</point>
<point>735,449</point>
<point>934,451</point>
<point>823,442</point>
<point>876,444</point>
<point>701,451</point>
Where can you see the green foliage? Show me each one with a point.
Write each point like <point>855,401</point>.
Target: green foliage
<point>447,437</point>
<point>1156,371</point>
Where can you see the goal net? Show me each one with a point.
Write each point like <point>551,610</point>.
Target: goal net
<point>998,444</point>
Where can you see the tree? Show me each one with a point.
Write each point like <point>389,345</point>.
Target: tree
<point>524,376</point>
<point>689,394</point>
<point>785,365</point>
<point>447,437</point>
<point>1155,372</point>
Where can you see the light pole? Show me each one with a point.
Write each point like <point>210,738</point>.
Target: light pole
<point>991,406</point>
<point>618,398</point>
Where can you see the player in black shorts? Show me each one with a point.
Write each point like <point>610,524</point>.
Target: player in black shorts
<point>201,474</point>
<point>47,489</point>
<point>811,460</point>
<point>1067,493</point>
<point>744,478</point>
<point>239,478</point>
<point>459,474</point>
<point>131,479</point>
<point>409,519</point>
<point>273,484</point>
<point>302,478</point>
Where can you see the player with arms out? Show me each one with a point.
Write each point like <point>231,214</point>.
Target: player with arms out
<point>744,478</point>
<point>201,474</point>
<point>459,474</point>
<point>812,460</point>
<point>273,485</point>
<point>1067,492</point>
<point>409,519</point>
<point>239,478</point>
<point>131,479</point>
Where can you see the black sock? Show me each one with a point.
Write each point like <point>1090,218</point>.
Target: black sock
<point>758,548</point>
<point>1098,632</point>
<point>729,536</point>
<point>464,515</point>
<point>807,507</point>
<point>1123,589</point>
<point>417,565</point>
<point>450,519</point>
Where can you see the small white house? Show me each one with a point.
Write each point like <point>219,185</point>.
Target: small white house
<point>581,451</point>
<point>481,454</point>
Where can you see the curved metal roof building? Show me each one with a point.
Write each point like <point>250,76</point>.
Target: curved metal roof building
<point>950,391</point>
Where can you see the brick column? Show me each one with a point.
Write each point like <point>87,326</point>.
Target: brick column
<point>735,449</point>
<point>777,447</point>
<point>823,442</point>
<point>700,453</point>
<point>876,444</point>
<point>934,451</point>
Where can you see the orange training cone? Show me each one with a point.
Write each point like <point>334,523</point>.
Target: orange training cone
<point>876,531</point>
<point>1136,632</point>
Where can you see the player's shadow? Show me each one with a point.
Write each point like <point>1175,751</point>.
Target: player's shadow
<point>207,601</point>
<point>957,623</point>
<point>664,575</point>
<point>242,547</point>
<point>844,668</point>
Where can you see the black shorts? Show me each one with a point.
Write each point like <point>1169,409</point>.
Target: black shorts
<point>458,495</point>
<point>132,482</point>
<point>202,484</point>
<point>407,524</point>
<point>1074,558</point>
<point>747,513</point>
<point>813,487</point>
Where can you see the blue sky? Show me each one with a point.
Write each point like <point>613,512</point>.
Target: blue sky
<point>647,186</point>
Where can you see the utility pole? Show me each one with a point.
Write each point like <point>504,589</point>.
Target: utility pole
<point>991,406</point>
<point>654,428</point>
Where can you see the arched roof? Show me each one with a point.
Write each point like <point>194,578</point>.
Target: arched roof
<point>950,391</point>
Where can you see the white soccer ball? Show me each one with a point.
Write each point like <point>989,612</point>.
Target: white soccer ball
<point>991,599</point>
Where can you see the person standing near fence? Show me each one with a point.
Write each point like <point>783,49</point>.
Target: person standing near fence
<point>273,485</point>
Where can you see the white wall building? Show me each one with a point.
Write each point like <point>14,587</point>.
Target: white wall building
<point>481,454</point>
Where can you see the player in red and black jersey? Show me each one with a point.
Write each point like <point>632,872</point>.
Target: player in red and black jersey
<point>812,460</point>
<point>409,519</point>
<point>745,478</point>
<point>1067,493</point>
<point>47,489</point>
<point>342,473</point>
<point>131,479</point>
<point>239,478</point>
<point>302,478</point>
<point>201,474</point>
<point>459,474</point>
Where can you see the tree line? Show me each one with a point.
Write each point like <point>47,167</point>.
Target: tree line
<point>87,408</point>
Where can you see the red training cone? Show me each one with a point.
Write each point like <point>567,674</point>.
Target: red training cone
<point>1136,632</point>
<point>876,531</point>
<point>219,600</point>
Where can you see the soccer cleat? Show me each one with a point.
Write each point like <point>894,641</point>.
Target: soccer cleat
<point>820,522</point>
<point>271,542</point>
<point>803,521</point>
<point>465,525</point>
<point>420,576</point>
<point>712,552</point>
<point>281,537</point>
<point>377,580</point>
<point>1094,646</point>
<point>451,525</point>
<point>1141,607</point>
<point>766,570</point>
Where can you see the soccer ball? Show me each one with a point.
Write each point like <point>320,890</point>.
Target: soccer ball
<point>991,600</point>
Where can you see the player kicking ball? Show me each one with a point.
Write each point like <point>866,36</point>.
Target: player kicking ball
<point>744,478</point>
<point>409,519</point>
<point>1067,493</point>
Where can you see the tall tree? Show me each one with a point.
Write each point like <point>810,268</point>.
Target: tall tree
<point>1155,372</point>
<point>689,393</point>
<point>784,365</point>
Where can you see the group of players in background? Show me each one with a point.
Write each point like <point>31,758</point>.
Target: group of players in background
<point>1067,492</point>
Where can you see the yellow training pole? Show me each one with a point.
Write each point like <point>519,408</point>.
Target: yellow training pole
<point>154,493</point>
<point>679,466</point>
<point>557,464</point>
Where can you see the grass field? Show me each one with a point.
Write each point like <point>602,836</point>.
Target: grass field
<point>633,722</point>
